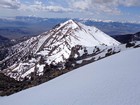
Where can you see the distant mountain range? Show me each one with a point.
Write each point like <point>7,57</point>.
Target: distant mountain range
<point>30,26</point>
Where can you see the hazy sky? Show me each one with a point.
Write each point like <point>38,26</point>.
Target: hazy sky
<point>117,10</point>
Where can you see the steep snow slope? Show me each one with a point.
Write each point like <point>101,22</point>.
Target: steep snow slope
<point>112,81</point>
<point>50,47</point>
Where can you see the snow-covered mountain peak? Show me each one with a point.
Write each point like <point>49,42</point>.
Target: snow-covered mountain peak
<point>54,46</point>
<point>68,22</point>
<point>58,42</point>
<point>85,35</point>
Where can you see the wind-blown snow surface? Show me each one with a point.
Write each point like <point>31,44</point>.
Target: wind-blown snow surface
<point>112,81</point>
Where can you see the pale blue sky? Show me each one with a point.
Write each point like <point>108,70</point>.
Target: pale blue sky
<point>116,10</point>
